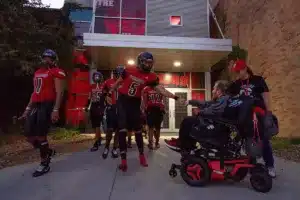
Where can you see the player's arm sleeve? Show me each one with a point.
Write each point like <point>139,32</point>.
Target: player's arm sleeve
<point>59,73</point>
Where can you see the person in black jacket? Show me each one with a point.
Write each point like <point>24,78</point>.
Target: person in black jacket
<point>250,85</point>
<point>214,108</point>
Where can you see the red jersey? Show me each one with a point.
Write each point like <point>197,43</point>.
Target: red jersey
<point>96,93</point>
<point>134,81</point>
<point>43,82</point>
<point>107,86</point>
<point>153,99</point>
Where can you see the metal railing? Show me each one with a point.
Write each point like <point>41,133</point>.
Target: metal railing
<point>215,17</point>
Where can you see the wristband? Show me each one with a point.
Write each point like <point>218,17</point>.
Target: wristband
<point>27,108</point>
<point>55,110</point>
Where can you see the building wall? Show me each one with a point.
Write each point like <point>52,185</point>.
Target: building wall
<point>193,12</point>
<point>269,30</point>
<point>152,17</point>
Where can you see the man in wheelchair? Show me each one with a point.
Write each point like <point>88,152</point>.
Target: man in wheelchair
<point>208,110</point>
<point>220,157</point>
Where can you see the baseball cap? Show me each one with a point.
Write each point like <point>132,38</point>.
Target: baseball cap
<point>239,65</point>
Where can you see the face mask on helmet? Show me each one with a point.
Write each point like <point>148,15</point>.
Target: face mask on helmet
<point>145,61</point>
<point>48,62</point>
<point>97,77</point>
<point>49,58</point>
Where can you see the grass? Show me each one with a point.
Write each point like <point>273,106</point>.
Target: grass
<point>279,143</point>
<point>64,134</point>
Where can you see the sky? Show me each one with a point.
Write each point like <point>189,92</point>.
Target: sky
<point>54,3</point>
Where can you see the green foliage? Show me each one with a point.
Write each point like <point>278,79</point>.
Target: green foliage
<point>238,53</point>
<point>63,134</point>
<point>27,28</point>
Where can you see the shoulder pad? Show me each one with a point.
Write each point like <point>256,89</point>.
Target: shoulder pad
<point>58,73</point>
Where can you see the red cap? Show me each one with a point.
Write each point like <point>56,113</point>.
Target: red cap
<point>239,65</point>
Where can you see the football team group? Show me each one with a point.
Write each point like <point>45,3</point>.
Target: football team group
<point>129,99</point>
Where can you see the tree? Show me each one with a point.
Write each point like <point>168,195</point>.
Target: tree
<point>27,27</point>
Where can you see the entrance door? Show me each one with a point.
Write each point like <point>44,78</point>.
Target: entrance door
<point>176,111</point>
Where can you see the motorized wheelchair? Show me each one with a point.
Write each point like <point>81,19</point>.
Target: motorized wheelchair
<point>221,158</point>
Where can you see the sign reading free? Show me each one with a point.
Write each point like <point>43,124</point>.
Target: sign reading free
<point>105,3</point>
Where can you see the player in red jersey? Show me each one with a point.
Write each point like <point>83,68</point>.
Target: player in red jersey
<point>131,83</point>
<point>154,109</point>
<point>96,106</point>
<point>111,114</point>
<point>43,107</point>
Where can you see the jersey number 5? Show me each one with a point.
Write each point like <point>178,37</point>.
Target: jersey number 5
<point>133,89</point>
<point>38,85</point>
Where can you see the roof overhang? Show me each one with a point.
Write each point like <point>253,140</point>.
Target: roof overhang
<point>195,54</point>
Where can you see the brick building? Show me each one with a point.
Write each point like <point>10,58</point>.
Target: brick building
<point>270,32</point>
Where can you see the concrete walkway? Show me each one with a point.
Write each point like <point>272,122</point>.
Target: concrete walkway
<point>85,175</point>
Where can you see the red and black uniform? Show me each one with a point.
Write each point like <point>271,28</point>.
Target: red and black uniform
<point>97,105</point>
<point>129,99</point>
<point>43,99</point>
<point>129,109</point>
<point>111,110</point>
<point>154,107</point>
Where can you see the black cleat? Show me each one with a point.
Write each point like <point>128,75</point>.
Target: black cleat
<point>105,153</point>
<point>114,153</point>
<point>41,170</point>
<point>96,146</point>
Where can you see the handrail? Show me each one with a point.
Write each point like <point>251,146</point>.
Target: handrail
<point>215,19</point>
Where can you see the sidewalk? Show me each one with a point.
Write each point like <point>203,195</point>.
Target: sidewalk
<point>85,175</point>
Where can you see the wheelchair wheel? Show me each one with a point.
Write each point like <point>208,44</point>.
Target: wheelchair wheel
<point>195,172</point>
<point>261,181</point>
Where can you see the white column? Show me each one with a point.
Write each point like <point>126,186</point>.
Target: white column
<point>207,86</point>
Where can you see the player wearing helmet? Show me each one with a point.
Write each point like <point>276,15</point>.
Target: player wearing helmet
<point>132,82</point>
<point>111,114</point>
<point>96,106</point>
<point>43,107</point>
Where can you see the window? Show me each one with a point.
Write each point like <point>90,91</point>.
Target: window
<point>107,25</point>
<point>132,14</point>
<point>176,20</point>
<point>133,27</point>
<point>134,9</point>
<point>198,80</point>
<point>107,8</point>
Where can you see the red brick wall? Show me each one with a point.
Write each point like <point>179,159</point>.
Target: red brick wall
<point>270,31</point>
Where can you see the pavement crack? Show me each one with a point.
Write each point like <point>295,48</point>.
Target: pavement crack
<point>113,184</point>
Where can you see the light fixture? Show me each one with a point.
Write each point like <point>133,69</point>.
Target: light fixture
<point>130,62</point>
<point>168,77</point>
<point>177,64</point>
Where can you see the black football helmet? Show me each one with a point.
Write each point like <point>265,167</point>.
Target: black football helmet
<point>145,61</point>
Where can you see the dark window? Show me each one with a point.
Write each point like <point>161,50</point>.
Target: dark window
<point>108,8</point>
<point>107,25</point>
<point>134,8</point>
<point>133,27</point>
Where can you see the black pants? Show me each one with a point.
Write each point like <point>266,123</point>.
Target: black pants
<point>39,119</point>
<point>186,127</point>
<point>111,117</point>
<point>155,116</point>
